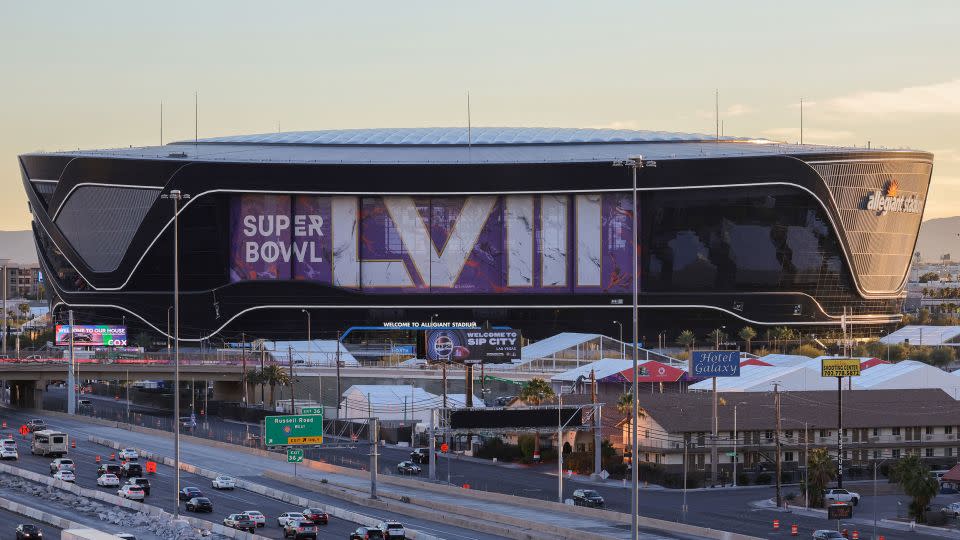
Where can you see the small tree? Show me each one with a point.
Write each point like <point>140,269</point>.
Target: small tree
<point>717,337</point>
<point>536,392</point>
<point>820,471</point>
<point>914,478</point>
<point>687,339</point>
<point>254,377</point>
<point>747,334</point>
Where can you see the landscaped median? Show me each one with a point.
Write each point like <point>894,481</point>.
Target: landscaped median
<point>121,502</point>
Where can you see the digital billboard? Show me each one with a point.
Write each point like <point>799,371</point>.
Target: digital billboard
<point>98,335</point>
<point>551,243</point>
<point>474,346</point>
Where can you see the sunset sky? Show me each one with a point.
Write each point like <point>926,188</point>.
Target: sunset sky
<point>93,74</point>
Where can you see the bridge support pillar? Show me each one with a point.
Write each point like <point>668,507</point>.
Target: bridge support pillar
<point>26,394</point>
<point>227,391</point>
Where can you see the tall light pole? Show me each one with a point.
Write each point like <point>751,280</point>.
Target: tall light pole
<point>309,343</point>
<point>736,457</point>
<point>634,472</point>
<point>622,351</point>
<point>176,196</point>
<point>168,332</point>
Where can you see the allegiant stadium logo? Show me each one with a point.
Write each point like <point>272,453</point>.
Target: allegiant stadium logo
<point>890,200</point>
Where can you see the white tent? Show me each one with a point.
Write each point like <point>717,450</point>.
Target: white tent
<point>908,374</point>
<point>317,352</point>
<point>762,378</point>
<point>396,402</point>
<point>917,334</point>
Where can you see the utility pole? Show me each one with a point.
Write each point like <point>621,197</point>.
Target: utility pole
<point>468,385</point>
<point>71,377</point>
<point>243,362</point>
<point>714,457</point>
<point>635,410</point>
<point>373,425</point>
<point>444,367</point>
<point>597,434</point>
<point>263,354</point>
<point>840,432</point>
<point>5,285</point>
<point>776,438</point>
<point>806,466</point>
<point>293,407</point>
<point>338,375</point>
<point>432,447</point>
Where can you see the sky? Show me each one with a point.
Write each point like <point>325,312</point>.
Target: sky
<point>93,74</point>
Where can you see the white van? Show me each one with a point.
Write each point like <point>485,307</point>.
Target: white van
<point>49,443</point>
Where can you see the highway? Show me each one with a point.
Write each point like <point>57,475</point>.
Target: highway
<point>9,522</point>
<point>727,510</point>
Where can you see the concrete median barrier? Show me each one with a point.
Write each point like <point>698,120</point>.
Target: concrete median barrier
<point>39,515</point>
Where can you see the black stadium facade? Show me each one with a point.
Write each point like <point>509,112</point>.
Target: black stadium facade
<point>529,228</point>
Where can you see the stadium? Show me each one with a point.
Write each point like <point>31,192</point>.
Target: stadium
<point>523,227</point>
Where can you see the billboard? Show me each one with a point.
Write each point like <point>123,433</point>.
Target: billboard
<point>474,346</point>
<point>550,243</point>
<point>536,417</point>
<point>840,367</point>
<point>99,335</point>
<point>715,364</point>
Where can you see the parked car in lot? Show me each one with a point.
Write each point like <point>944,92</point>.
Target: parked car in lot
<point>61,463</point>
<point>108,480</point>
<point>9,453</point>
<point>408,467</point>
<point>199,504</point>
<point>188,493</point>
<point>36,424</point>
<point>257,517</point>
<point>142,482</point>
<point>826,534</point>
<point>28,531</point>
<point>283,518</point>
<point>420,455</point>
<point>128,491</point>
<point>952,509</point>
<point>128,453</point>
<point>109,468</point>
<point>841,495</point>
<point>240,522</point>
<point>392,530</point>
<point>366,533</point>
<point>316,515</point>
<point>66,475</point>
<point>299,529</point>
<point>131,469</point>
<point>587,497</point>
<point>224,482</point>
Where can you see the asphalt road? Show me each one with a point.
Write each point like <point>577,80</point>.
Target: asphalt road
<point>719,509</point>
<point>9,522</point>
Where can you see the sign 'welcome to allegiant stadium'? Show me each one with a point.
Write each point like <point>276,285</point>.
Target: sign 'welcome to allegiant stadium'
<point>473,244</point>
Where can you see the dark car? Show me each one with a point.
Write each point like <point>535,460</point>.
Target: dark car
<point>28,530</point>
<point>298,529</point>
<point>587,497</point>
<point>366,533</point>
<point>316,515</point>
<point>110,468</point>
<point>408,467</point>
<point>420,455</point>
<point>82,337</point>
<point>131,469</point>
<point>199,504</point>
<point>142,482</point>
<point>188,493</point>
<point>244,523</point>
<point>36,424</point>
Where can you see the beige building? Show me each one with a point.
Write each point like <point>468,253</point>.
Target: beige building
<point>21,280</point>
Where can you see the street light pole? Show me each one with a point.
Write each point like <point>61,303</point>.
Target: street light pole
<point>168,332</point>
<point>622,351</point>
<point>634,470</point>
<point>309,343</point>
<point>176,196</point>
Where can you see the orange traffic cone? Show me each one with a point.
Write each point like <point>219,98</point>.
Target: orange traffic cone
<point>794,530</point>
<point>776,524</point>
<point>73,444</point>
<point>98,460</point>
<point>4,424</point>
<point>856,535</point>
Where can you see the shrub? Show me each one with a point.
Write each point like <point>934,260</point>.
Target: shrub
<point>743,479</point>
<point>496,448</point>
<point>764,478</point>
<point>567,448</point>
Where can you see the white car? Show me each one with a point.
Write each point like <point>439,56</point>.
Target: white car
<point>952,509</point>
<point>61,463</point>
<point>128,491</point>
<point>826,534</point>
<point>392,529</point>
<point>257,517</point>
<point>9,443</point>
<point>8,453</point>
<point>224,482</point>
<point>286,517</point>
<point>842,495</point>
<point>66,475</point>
<point>128,453</point>
<point>108,480</point>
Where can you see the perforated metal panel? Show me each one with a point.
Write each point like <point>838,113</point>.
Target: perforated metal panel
<point>100,222</point>
<point>44,189</point>
<point>881,243</point>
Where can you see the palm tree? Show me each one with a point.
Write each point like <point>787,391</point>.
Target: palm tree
<point>687,339</point>
<point>747,334</point>
<point>536,392</point>
<point>275,375</point>
<point>820,471</point>
<point>914,478</point>
<point>253,377</point>
<point>717,336</point>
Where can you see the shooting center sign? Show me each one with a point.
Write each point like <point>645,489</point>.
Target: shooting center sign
<point>840,367</point>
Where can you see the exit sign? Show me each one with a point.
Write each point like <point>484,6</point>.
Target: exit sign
<point>295,455</point>
<point>292,430</point>
<point>311,410</point>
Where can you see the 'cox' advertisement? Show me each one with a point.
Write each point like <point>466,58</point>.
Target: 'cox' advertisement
<point>100,335</point>
<point>473,346</point>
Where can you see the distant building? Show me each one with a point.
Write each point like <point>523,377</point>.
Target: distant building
<point>21,280</point>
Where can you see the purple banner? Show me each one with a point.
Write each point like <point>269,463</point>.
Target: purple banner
<point>477,244</point>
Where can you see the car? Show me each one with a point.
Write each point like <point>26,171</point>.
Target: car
<point>8,453</point>
<point>131,469</point>
<point>188,493</point>
<point>62,463</point>
<point>587,497</point>
<point>392,529</point>
<point>316,515</point>
<point>300,528</point>
<point>366,533</point>
<point>841,495</point>
<point>420,455</point>
<point>944,489</point>
<point>408,467</point>
<point>85,404</point>
<point>142,482</point>
<point>128,453</point>
<point>36,424</point>
<point>66,475</point>
<point>187,422</point>
<point>9,443</point>
<point>28,530</point>
<point>283,518</point>
<point>84,337</point>
<point>126,536</point>
<point>952,509</point>
<point>240,522</point>
<point>128,491</point>
<point>224,482</point>
<point>111,468</point>
<point>108,480</point>
<point>826,534</point>
<point>199,504</point>
<point>257,517</point>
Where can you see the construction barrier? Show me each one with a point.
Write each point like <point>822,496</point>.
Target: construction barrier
<point>113,456</point>
<point>794,530</point>
<point>98,460</point>
<point>776,524</point>
<point>73,444</point>
<point>856,535</point>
